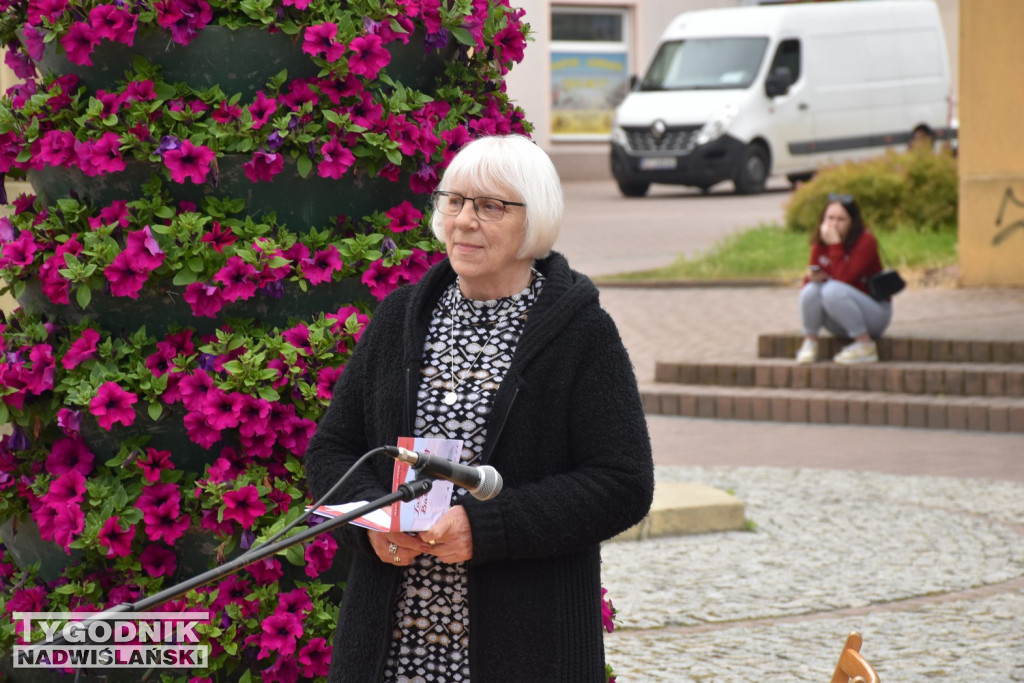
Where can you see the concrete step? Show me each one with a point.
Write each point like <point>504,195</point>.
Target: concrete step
<point>683,508</point>
<point>976,413</point>
<point>918,378</point>
<point>903,349</point>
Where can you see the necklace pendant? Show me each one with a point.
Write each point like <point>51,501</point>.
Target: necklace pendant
<point>450,398</point>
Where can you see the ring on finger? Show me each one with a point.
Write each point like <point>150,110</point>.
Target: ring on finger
<point>393,548</point>
<point>397,559</point>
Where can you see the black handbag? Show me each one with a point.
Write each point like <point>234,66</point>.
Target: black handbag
<point>885,284</point>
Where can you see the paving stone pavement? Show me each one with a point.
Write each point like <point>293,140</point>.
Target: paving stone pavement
<point>913,537</point>
<point>929,569</point>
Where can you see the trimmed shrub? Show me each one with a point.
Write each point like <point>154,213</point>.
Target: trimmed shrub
<point>916,188</point>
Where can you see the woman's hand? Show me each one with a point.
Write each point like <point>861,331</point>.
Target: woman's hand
<point>830,233</point>
<point>451,538</point>
<point>815,274</point>
<point>399,549</point>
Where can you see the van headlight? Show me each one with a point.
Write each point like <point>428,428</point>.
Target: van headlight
<point>619,136</point>
<point>717,125</point>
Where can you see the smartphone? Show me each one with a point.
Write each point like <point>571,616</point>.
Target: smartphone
<point>815,268</point>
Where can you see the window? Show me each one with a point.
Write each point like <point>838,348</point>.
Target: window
<point>705,64</point>
<point>787,56</point>
<point>589,70</point>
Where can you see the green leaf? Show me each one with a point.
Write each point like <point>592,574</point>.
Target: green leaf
<point>233,367</point>
<point>295,555</point>
<point>304,165</point>
<point>463,36</point>
<point>185,277</point>
<point>83,295</point>
<point>155,411</point>
<point>269,394</point>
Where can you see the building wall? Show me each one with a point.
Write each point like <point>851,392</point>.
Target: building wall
<point>991,166</point>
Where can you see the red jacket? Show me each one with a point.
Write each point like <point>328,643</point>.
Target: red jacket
<point>853,268</point>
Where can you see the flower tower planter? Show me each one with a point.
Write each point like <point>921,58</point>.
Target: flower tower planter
<point>222,192</point>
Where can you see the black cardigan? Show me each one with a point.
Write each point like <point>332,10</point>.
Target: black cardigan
<point>568,435</point>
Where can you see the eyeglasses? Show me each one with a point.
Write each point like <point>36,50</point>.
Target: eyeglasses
<point>487,208</point>
<point>841,198</point>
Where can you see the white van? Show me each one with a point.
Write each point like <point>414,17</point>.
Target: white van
<point>739,94</point>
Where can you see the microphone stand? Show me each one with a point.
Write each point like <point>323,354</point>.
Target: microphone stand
<point>405,493</point>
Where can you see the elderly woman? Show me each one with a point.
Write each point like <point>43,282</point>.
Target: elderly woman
<point>505,347</point>
<point>844,254</point>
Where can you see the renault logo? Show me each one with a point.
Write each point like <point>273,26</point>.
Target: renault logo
<point>658,129</point>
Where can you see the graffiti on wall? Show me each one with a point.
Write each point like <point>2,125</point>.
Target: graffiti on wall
<point>1004,231</point>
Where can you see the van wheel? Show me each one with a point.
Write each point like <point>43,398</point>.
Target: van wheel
<point>752,173</point>
<point>633,189</point>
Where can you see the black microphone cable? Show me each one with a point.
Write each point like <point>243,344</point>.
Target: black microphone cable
<point>305,515</point>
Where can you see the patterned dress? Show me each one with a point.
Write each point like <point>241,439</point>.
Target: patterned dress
<point>431,619</point>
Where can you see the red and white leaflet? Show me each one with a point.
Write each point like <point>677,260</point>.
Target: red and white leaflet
<point>421,513</point>
<point>416,515</point>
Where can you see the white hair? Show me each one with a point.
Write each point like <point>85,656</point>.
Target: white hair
<point>515,164</point>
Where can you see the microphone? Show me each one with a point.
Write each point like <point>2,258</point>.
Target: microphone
<point>483,482</point>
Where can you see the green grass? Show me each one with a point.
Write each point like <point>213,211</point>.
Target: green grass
<point>770,252</point>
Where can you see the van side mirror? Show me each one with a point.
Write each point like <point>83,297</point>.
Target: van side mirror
<point>634,82</point>
<point>778,82</point>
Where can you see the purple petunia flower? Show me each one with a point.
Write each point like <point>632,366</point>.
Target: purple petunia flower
<point>315,658</point>
<point>238,278</point>
<point>337,160</point>
<point>67,488</point>
<point>244,506</point>
<point>204,298</point>
<point>115,538</point>
<point>98,157</point>
<point>322,265</point>
<point>165,522</point>
<point>157,561</point>
<point>113,404</point>
<point>263,166</point>
<point>199,430</point>
<point>168,143</point>
<point>221,408</point>
<point>321,39</point>
<point>82,349</point>
<point>114,23</point>
<point>183,18</point>
<point>70,454</point>
<point>79,42</point>
<point>319,555</point>
<point>125,276</point>
<point>70,421</point>
<point>403,217</point>
<point>280,632</point>
<point>367,56</point>
<point>262,109</point>
<point>189,161</point>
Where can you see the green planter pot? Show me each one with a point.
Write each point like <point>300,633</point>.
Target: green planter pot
<point>299,203</point>
<point>164,309</point>
<point>239,60</point>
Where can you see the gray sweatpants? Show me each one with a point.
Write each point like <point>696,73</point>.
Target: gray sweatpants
<point>844,310</point>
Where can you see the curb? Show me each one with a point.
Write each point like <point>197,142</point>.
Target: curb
<point>683,508</point>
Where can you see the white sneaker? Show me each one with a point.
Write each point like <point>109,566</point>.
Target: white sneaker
<point>857,352</point>
<point>808,352</point>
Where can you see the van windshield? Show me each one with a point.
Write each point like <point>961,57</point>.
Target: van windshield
<point>705,64</point>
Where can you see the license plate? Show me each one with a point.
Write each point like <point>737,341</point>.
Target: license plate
<point>657,163</point>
